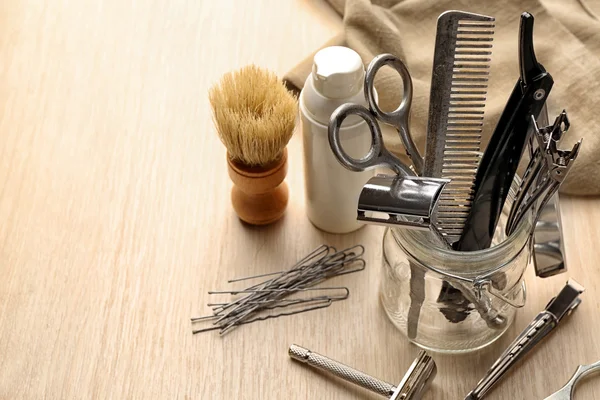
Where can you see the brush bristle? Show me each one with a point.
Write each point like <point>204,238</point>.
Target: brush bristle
<point>254,114</point>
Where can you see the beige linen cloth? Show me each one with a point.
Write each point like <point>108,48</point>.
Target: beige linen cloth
<point>567,43</point>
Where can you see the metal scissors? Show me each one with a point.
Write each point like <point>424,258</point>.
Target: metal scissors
<point>378,155</point>
<point>566,392</point>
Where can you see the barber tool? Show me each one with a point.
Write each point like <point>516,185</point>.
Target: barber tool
<point>501,158</point>
<point>255,116</point>
<point>548,244</point>
<point>331,190</point>
<point>567,391</point>
<point>415,383</point>
<point>394,200</point>
<point>289,292</point>
<point>544,323</point>
<point>378,155</point>
<point>463,48</point>
<point>547,169</point>
<point>548,250</point>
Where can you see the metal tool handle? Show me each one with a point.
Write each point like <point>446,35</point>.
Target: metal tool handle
<point>566,391</point>
<point>340,370</point>
<point>399,117</point>
<point>417,379</point>
<point>377,155</point>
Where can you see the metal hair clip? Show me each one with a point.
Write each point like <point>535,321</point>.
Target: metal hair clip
<point>545,173</point>
<point>562,305</point>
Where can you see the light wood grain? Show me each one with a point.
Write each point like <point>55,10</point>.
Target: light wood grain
<point>115,219</point>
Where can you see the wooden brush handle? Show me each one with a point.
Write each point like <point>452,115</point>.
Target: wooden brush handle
<point>259,195</point>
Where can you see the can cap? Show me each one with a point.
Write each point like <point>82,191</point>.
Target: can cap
<point>337,72</point>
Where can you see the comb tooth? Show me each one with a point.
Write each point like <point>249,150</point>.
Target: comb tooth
<point>474,24</point>
<point>465,118</point>
<point>475,135</point>
<point>462,146</point>
<point>467,142</point>
<point>464,124</point>
<point>462,72</point>
<point>454,169</point>
<point>459,192</point>
<point>455,195</point>
<point>473,52</point>
<point>456,104</point>
<point>456,98</point>
<point>460,153</point>
<point>471,92</point>
<point>473,32</point>
<point>469,85</point>
<point>462,156</point>
<point>461,202</point>
<point>459,178</point>
<point>452,223</point>
<point>464,161</point>
<point>459,189</point>
<point>466,112</point>
<point>473,46</point>
<point>472,59</point>
<point>467,161</point>
<point>468,138</point>
<point>463,184</point>
<point>448,209</point>
<point>459,172</point>
<point>457,79</point>
<point>452,211</point>
<point>473,39</point>
<point>471,66</point>
<point>456,212</point>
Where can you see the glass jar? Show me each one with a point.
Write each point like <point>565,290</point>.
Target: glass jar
<point>451,301</point>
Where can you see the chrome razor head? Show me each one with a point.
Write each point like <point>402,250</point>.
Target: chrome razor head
<point>399,201</point>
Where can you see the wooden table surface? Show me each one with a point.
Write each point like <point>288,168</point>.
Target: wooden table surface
<point>115,220</point>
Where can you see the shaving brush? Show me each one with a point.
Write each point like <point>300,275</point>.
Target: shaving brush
<point>255,117</point>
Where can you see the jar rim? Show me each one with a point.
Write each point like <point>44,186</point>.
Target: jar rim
<point>422,248</point>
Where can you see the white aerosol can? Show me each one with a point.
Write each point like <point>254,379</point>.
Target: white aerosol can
<point>331,190</point>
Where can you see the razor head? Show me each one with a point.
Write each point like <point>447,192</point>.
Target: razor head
<point>417,379</point>
<point>393,200</point>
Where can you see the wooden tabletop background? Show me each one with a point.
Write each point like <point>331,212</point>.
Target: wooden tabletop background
<point>115,220</point>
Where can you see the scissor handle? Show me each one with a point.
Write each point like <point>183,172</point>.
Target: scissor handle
<point>398,117</point>
<point>377,155</point>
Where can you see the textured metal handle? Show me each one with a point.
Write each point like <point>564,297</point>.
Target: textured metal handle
<point>340,370</point>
